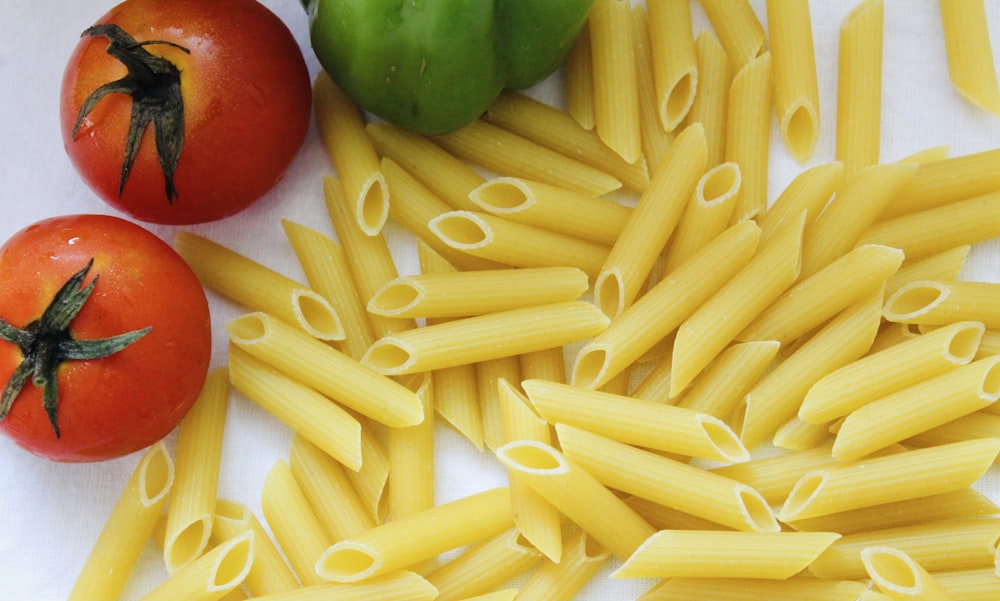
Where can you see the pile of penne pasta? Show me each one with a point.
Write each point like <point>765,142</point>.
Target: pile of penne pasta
<point>609,303</point>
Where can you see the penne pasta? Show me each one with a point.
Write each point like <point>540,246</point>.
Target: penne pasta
<point>485,337</point>
<point>928,302</point>
<point>582,560</point>
<point>946,265</point>
<point>417,537</point>
<point>720,388</point>
<point>724,554</point>
<point>351,151</point>
<point>562,483</point>
<point>710,106</point>
<point>982,424</point>
<point>616,98</point>
<point>636,422</point>
<point>127,528</point>
<point>196,473</point>
<point>370,481</point>
<point>738,28</point>
<point>945,181</point>
<point>970,585</point>
<point>210,577</point>
<point>258,288</point>
<point>667,482</point>
<point>675,66</point>
<point>859,88</point>
<point>326,370</point>
<point>970,55</point>
<point>411,457</point>
<point>810,191</point>
<point>798,435</point>
<point>655,140</point>
<point>796,91</point>
<point>753,589</point>
<point>707,214</point>
<point>900,577</point>
<point>298,531</point>
<point>489,376</point>
<point>775,476</point>
<point>484,567</point>
<point>580,81</point>
<point>748,132</point>
<point>651,223</point>
<point>401,585</point>
<point>268,572</point>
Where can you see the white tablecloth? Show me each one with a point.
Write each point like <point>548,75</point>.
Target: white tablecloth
<point>50,514</point>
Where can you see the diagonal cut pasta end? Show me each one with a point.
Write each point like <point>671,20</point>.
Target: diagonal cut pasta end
<point>156,475</point>
<point>590,370</point>
<point>462,230</point>
<point>609,292</point>
<point>396,297</point>
<point>728,446</point>
<point>915,299</point>
<point>187,543</point>
<point>389,356</point>
<point>372,208</point>
<point>233,563</point>
<point>503,196</point>
<point>316,315</point>
<point>348,561</point>
<point>801,496</point>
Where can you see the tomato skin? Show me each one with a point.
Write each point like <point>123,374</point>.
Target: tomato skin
<point>124,402</point>
<point>247,108</point>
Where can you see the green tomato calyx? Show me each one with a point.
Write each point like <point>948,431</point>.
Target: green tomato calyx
<point>154,83</point>
<point>46,342</point>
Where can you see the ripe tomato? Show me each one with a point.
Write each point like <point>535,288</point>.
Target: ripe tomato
<point>110,406</point>
<point>222,98</point>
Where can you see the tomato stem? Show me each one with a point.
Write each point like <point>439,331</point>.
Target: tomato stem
<point>154,83</point>
<point>46,342</point>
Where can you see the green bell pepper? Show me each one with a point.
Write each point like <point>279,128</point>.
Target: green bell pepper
<point>432,66</point>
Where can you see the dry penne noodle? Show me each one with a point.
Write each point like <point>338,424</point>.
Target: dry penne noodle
<point>196,473</point>
<point>616,97</point>
<point>667,482</point>
<point>720,388</point>
<point>890,370</point>
<point>990,344</point>
<point>582,559</point>
<point>307,412</point>
<point>297,530</point>
<point>725,554</point>
<point>703,335</point>
<point>661,310</point>
<point>707,214</point>
<point>556,129</point>
<point>351,151</point>
<point>547,364</point>
<point>796,92</point>
<point>798,435</point>
<point>946,265</point>
<point>258,288</point>
<point>970,585</point>
<point>605,517</point>
<point>929,302</point>
<point>401,585</point>
<point>857,205</point>
<point>970,56</point>
<point>738,28</point>
<point>515,244</point>
<point>580,81</point>
<point>928,155</point>
<point>938,546</point>
<point>485,337</point>
<point>753,589</point>
<point>127,528</point>
<point>506,153</point>
<point>210,577</point>
<point>323,368</point>
<point>748,132</point>
<point>549,207</point>
<point>981,424</point>
<point>268,573</point>
<point>943,182</point>
<point>484,567</point>
<point>370,481</point>
<point>411,457</point>
<point>938,229</point>
<point>666,518</point>
<point>675,66</point>
<point>417,537</point>
<point>809,191</point>
<point>859,88</point>
<point>466,293</point>
<point>777,397</point>
<point>489,375</point>
<point>635,421</point>
<point>711,100</point>
<point>506,594</point>
<point>895,477</point>
<point>444,174</point>
<point>655,140</point>
<point>325,266</point>
<point>813,300</point>
<point>651,223</point>
<point>918,408</point>
<point>898,576</point>
<point>775,476</point>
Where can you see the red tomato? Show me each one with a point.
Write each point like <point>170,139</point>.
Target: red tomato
<point>111,406</point>
<point>224,91</point>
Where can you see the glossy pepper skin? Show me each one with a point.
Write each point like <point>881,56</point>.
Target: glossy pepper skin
<point>432,66</point>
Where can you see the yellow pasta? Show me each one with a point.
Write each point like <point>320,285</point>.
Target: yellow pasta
<point>127,528</point>
<point>810,191</point>
<point>899,577</point>
<point>489,376</point>
<point>196,476</point>
<point>707,214</point>
<point>258,288</point>
<point>616,97</point>
<point>918,408</point>
<point>982,424</point>
<point>553,128</point>
<point>411,457</point>
<point>720,554</point>
<point>547,364</point>
<point>945,265</point>
<point>798,435</point>
<point>859,88</point>
<point>401,585</point>
<point>738,28</point>
<point>711,100</point>
<point>753,589</point>
<point>210,577</point>
<point>655,140</point>
<point>484,337</point>
<point>703,335</point>
<point>890,370</point>
<point>970,585</point>
<point>370,481</point>
<point>604,516</point>
<point>796,92</point>
<point>268,572</point>
<point>667,482</point>
<point>675,67</point>
<point>507,153</point>
<point>895,477</point>
<point>652,222</point>
<point>503,241</point>
<point>945,181</point>
<point>417,537</point>
<point>720,388</point>
<point>929,302</point>
<point>775,476</point>
<point>484,567</point>
<point>580,81</point>
<point>582,560</point>
<point>970,56</point>
<point>350,149</point>
<point>635,421</point>
<point>549,207</point>
<point>748,133</point>
<point>298,531</point>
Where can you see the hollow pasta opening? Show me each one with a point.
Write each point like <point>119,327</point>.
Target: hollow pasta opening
<point>374,205</point>
<point>758,512</point>
<point>890,567</point>
<point>963,346</point>
<point>910,301</point>
<point>188,543</point>
<point>387,356</point>
<point>531,456</point>
<point>248,328</point>
<point>504,195</point>
<point>396,297</point>
<point>348,563</point>
<point>318,316</point>
<point>679,99</point>
<point>156,476</point>
<point>610,293</point>
<point>461,230</point>
<point>235,563</point>
<point>991,381</point>
<point>719,183</point>
<point>724,439</point>
<point>801,131</point>
<point>591,364</point>
<point>802,494</point>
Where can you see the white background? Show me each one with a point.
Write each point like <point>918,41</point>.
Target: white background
<point>50,514</point>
